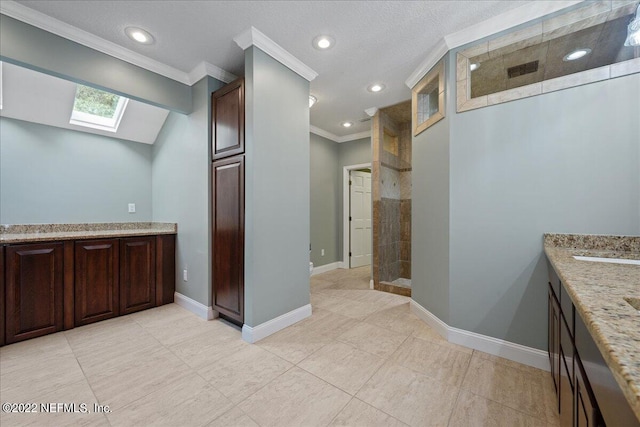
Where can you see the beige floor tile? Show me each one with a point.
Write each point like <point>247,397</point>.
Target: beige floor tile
<point>208,347</point>
<point>510,363</point>
<point>296,398</point>
<point>37,379</point>
<point>294,344</point>
<point>241,374</point>
<point>189,401</point>
<point>78,393</point>
<point>326,323</point>
<point>373,339</point>
<point>235,417</point>
<point>318,284</point>
<point>411,397</point>
<point>109,338</point>
<point>33,352</point>
<point>396,318</point>
<point>342,366</point>
<point>120,385</point>
<point>435,361</point>
<point>359,414</point>
<point>426,333</point>
<point>475,411</point>
<point>160,315</point>
<point>181,329</point>
<point>516,388</point>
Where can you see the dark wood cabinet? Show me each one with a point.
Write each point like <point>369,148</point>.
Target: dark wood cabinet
<point>227,120</point>
<point>137,274</point>
<point>554,337</point>
<point>34,284</point>
<point>2,294</point>
<point>228,237</point>
<point>586,410</point>
<point>97,294</point>
<point>165,268</point>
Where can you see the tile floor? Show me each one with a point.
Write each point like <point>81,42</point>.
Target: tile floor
<point>361,359</point>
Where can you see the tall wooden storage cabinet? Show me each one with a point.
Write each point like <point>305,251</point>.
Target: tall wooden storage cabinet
<point>227,198</point>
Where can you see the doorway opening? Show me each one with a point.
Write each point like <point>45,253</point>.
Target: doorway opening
<point>357,216</point>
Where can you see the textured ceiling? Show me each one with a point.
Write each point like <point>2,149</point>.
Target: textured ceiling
<point>376,41</point>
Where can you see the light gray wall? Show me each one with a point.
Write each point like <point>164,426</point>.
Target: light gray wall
<point>349,153</point>
<point>277,189</point>
<point>566,162</point>
<point>180,177</point>
<point>560,162</point>
<point>31,47</point>
<point>53,175</point>
<point>325,190</point>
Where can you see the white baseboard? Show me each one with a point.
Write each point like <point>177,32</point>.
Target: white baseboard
<point>371,284</point>
<point>263,330</point>
<point>506,349</point>
<point>325,268</point>
<point>342,264</point>
<point>194,306</point>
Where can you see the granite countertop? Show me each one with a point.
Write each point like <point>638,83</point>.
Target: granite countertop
<point>25,233</point>
<point>598,291</point>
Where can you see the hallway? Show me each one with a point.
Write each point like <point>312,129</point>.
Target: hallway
<point>361,359</point>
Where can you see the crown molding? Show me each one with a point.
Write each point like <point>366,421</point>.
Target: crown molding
<point>206,69</point>
<point>69,32</point>
<point>371,111</point>
<point>339,139</point>
<point>253,37</point>
<point>518,16</point>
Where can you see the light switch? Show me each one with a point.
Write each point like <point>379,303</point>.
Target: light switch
<point>132,208</point>
<point>321,252</point>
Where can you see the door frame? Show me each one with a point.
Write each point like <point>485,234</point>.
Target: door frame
<point>346,205</point>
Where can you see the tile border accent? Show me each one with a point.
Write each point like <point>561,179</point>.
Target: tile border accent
<point>199,309</point>
<point>518,353</point>
<point>325,268</point>
<point>256,333</point>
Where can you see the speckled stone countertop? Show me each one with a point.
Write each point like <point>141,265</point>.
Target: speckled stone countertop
<point>25,233</point>
<point>598,291</point>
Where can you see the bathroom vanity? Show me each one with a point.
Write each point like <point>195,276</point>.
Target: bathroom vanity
<point>594,328</point>
<point>54,277</point>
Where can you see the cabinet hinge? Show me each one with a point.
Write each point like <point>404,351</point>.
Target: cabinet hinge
<point>349,253</point>
<point>349,218</point>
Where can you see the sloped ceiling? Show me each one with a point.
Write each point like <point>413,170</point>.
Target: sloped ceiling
<point>40,98</point>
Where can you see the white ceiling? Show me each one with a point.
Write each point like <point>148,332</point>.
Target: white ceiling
<point>40,98</point>
<point>376,41</point>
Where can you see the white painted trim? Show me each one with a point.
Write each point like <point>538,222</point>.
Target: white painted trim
<point>325,268</point>
<point>521,15</point>
<point>371,284</point>
<point>341,264</point>
<point>339,139</point>
<point>345,210</point>
<point>206,69</point>
<point>47,23</point>
<point>263,330</point>
<point>371,111</point>
<point>194,306</point>
<point>438,51</point>
<point>518,353</point>
<point>253,37</point>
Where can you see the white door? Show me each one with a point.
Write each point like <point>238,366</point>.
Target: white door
<point>360,219</point>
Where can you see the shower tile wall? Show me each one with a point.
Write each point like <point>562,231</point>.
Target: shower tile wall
<point>391,200</point>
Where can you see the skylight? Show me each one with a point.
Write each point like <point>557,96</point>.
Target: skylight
<point>97,109</point>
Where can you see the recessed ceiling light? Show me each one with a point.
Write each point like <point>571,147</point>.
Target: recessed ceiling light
<point>474,66</point>
<point>576,54</point>
<point>347,124</point>
<point>323,42</point>
<point>139,35</point>
<point>376,87</point>
<point>312,100</point>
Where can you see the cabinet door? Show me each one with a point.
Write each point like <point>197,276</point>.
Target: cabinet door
<point>554,339</point>
<point>165,268</point>
<point>586,409</point>
<point>567,356</point>
<point>137,274</point>
<point>34,290</point>
<point>96,280</point>
<point>228,238</point>
<point>227,120</point>
<point>2,293</point>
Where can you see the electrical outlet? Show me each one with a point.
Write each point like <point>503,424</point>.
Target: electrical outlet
<point>132,208</point>
<point>185,276</point>
<point>321,252</point>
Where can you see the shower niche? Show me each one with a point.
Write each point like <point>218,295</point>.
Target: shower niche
<point>391,192</point>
